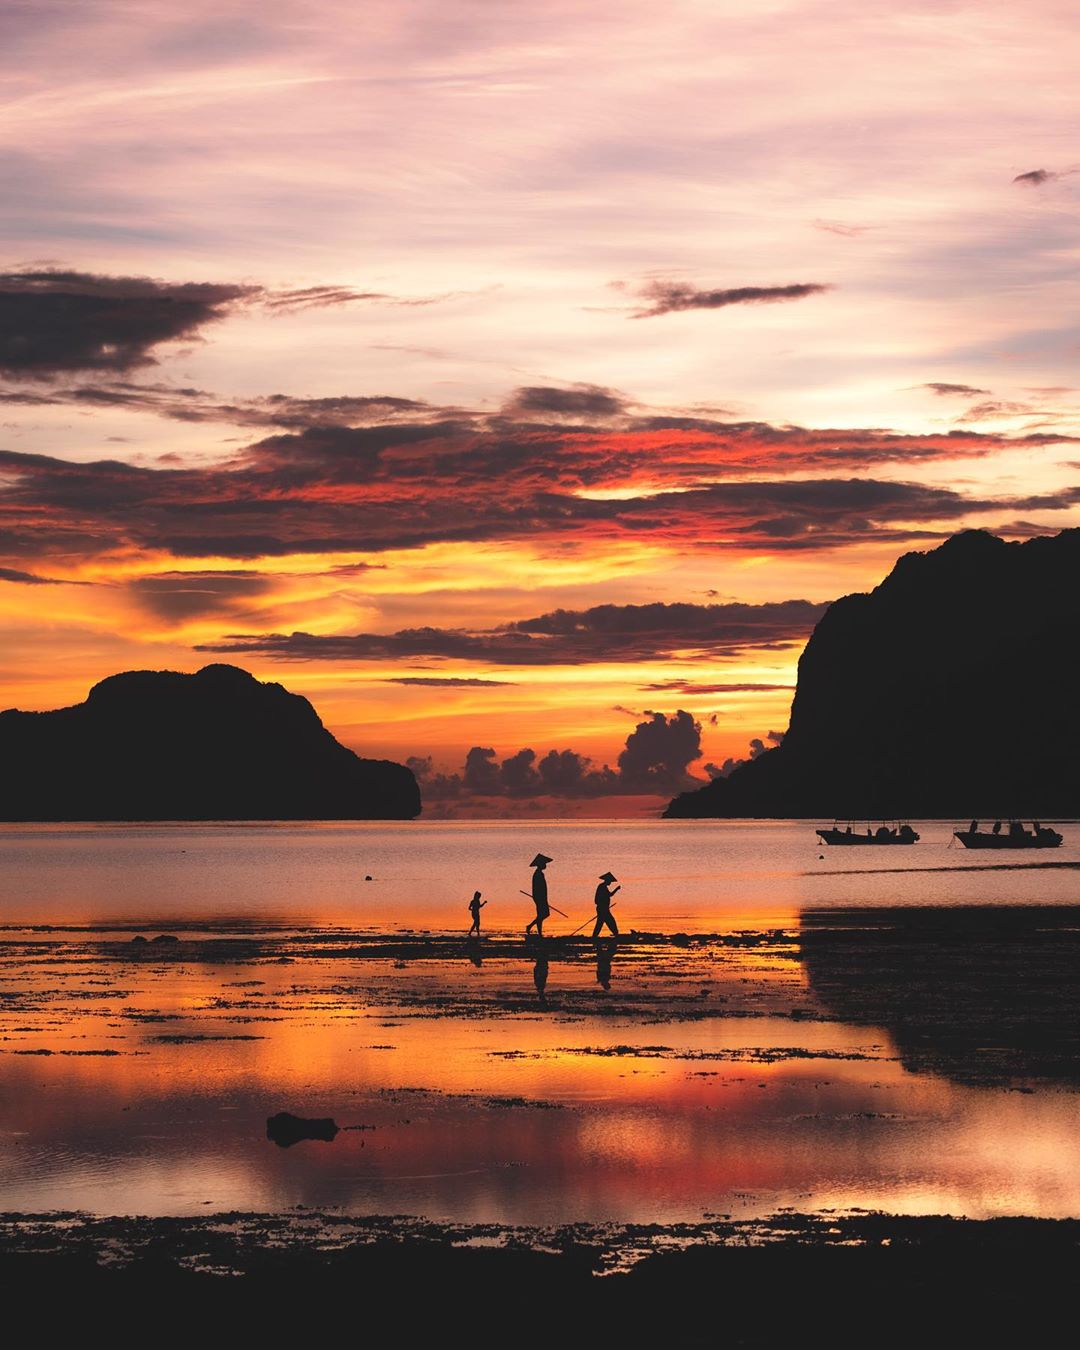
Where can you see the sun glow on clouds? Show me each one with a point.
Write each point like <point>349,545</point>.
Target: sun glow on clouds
<point>480,340</point>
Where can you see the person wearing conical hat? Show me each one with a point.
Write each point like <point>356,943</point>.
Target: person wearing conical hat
<point>603,897</point>
<point>539,894</point>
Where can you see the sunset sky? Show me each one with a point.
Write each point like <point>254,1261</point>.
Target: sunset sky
<point>518,376</point>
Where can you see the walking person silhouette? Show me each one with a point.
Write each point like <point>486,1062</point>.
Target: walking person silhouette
<point>603,905</point>
<point>539,894</point>
<point>475,906</point>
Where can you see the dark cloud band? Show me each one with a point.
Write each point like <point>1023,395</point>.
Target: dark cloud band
<point>367,490</point>
<point>616,633</point>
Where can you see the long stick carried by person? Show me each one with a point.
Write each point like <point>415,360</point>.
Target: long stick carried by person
<point>550,905</point>
<point>589,920</point>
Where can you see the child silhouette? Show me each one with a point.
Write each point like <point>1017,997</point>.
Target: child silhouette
<point>475,906</point>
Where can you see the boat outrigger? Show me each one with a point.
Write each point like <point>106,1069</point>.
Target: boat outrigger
<point>1039,836</point>
<point>895,833</point>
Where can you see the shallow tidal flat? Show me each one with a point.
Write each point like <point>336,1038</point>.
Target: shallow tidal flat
<point>913,1061</point>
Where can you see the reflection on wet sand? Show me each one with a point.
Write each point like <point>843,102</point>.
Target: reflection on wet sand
<point>650,1079</point>
<point>605,955</point>
<point>983,995</point>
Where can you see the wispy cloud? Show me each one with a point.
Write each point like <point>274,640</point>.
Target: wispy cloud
<point>842,228</point>
<point>29,578</point>
<point>947,390</point>
<point>695,687</point>
<point>330,296</point>
<point>671,297</point>
<point>451,682</point>
<point>1039,177</point>
<point>180,403</point>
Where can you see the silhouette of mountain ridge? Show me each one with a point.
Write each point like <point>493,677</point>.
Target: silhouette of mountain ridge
<point>214,745</point>
<point>948,690</point>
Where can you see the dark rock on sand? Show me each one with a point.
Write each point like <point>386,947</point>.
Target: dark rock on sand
<point>216,745</point>
<point>949,690</point>
<point>285,1129</point>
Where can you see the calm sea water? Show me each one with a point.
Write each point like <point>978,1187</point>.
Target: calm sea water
<point>693,876</point>
<point>646,1081</point>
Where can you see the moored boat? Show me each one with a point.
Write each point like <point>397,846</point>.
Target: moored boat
<point>1039,836</point>
<point>896,833</point>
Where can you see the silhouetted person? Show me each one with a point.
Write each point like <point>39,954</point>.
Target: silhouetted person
<point>539,895</point>
<point>540,976</point>
<point>603,905</point>
<point>974,827</point>
<point>997,827</point>
<point>604,953</point>
<point>1015,829</point>
<point>475,906</point>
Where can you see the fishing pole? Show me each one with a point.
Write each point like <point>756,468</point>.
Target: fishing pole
<point>550,905</point>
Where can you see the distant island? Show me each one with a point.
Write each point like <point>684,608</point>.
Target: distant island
<point>950,690</point>
<point>216,745</point>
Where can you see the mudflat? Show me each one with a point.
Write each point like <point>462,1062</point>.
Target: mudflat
<point>833,1121</point>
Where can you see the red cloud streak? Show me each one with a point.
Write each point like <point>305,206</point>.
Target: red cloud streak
<point>403,485</point>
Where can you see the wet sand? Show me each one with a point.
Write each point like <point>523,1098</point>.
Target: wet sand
<point>674,1136</point>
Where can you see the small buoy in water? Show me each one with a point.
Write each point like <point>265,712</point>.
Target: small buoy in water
<point>821,857</point>
<point>367,878</point>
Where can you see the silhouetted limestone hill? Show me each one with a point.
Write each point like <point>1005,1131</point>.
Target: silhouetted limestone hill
<point>216,745</point>
<point>949,690</point>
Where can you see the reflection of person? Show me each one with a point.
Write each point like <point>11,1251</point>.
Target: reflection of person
<point>539,894</point>
<point>604,953</point>
<point>603,905</point>
<point>475,906</point>
<point>540,976</point>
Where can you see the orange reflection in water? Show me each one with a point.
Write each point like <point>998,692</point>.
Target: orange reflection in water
<point>712,1077</point>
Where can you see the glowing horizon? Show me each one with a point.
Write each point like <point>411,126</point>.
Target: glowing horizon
<point>408,358</point>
